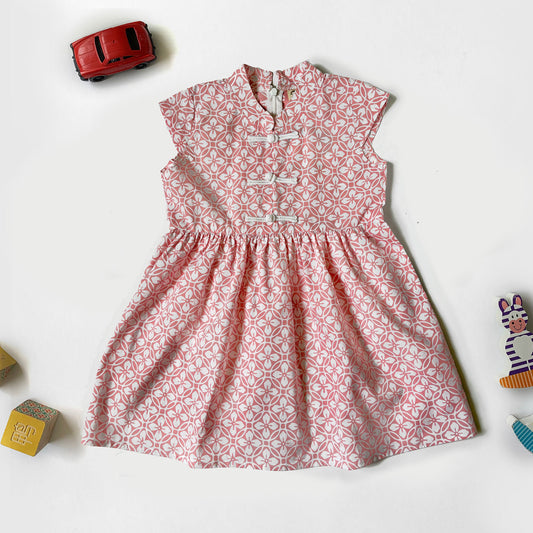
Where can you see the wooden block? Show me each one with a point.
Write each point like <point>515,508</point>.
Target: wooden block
<point>29,427</point>
<point>6,364</point>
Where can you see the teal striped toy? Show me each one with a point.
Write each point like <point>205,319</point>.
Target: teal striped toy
<point>523,429</point>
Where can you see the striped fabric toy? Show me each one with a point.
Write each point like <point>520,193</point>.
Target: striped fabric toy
<point>523,430</point>
<point>519,344</point>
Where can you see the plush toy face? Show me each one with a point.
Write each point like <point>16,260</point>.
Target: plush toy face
<point>514,317</point>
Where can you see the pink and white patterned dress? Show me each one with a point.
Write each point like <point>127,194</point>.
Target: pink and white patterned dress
<point>280,324</point>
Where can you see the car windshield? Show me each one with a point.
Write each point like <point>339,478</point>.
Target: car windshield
<point>132,39</point>
<point>99,50</point>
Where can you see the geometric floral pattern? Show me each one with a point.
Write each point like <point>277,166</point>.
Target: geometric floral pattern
<point>37,410</point>
<point>268,343</point>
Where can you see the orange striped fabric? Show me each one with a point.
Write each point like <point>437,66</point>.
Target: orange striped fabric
<point>518,381</point>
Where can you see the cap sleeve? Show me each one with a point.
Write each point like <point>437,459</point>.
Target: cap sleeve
<point>372,102</point>
<point>178,112</point>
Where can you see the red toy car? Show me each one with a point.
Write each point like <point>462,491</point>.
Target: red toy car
<point>107,52</point>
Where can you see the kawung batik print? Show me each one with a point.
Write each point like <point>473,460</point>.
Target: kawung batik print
<point>280,324</point>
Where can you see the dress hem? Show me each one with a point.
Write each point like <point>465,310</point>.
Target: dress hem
<point>311,463</point>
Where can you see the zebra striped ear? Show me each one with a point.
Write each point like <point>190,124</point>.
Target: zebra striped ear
<point>517,300</point>
<point>504,304</point>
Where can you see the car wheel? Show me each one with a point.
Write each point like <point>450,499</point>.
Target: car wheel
<point>98,78</point>
<point>141,65</point>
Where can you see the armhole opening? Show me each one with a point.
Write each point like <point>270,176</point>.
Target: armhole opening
<point>368,144</point>
<point>178,114</point>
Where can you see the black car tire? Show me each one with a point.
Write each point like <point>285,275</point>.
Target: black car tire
<point>141,65</point>
<point>98,78</point>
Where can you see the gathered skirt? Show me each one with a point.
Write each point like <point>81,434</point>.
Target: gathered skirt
<point>278,352</point>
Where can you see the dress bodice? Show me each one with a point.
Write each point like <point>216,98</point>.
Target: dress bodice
<point>309,168</point>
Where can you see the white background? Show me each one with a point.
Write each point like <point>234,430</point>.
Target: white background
<point>82,211</point>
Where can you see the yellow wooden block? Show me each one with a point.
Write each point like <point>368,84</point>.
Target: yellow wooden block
<point>29,427</point>
<point>6,364</point>
<point>23,433</point>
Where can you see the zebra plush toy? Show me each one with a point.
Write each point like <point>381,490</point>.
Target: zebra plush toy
<point>519,344</point>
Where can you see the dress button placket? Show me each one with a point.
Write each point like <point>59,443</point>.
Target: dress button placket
<point>272,140</point>
<point>271,126</point>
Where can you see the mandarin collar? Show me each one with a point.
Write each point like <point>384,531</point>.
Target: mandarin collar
<point>301,73</point>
